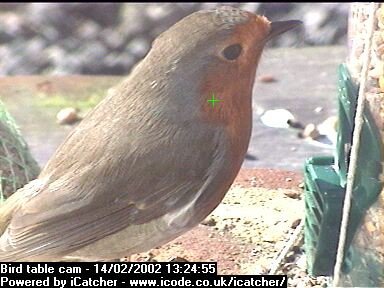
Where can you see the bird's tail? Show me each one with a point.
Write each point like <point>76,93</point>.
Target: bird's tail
<point>15,201</point>
<point>8,207</point>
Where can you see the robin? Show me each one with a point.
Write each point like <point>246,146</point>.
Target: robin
<point>155,156</point>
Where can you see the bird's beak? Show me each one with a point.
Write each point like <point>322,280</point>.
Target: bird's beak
<point>279,27</point>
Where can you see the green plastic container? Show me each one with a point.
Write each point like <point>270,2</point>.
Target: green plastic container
<point>323,205</point>
<point>325,182</point>
<point>347,92</point>
<point>367,185</point>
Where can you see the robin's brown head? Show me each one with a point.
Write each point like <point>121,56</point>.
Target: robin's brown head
<point>215,52</point>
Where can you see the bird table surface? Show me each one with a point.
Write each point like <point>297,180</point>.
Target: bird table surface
<point>237,234</point>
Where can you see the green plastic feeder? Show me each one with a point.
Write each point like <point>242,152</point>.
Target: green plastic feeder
<point>325,182</point>
<point>323,205</point>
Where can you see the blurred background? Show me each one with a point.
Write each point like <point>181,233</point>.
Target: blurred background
<point>109,38</point>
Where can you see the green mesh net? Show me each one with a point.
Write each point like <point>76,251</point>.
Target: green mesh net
<point>17,166</point>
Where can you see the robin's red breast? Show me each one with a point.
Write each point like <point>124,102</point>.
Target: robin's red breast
<point>156,156</point>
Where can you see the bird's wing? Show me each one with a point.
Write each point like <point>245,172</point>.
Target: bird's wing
<point>92,200</point>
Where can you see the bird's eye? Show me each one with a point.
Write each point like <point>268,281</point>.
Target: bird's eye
<point>232,52</point>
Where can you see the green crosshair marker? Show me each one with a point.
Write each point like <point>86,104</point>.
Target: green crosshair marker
<point>213,100</point>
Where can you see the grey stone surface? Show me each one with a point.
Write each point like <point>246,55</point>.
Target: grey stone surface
<point>306,79</point>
